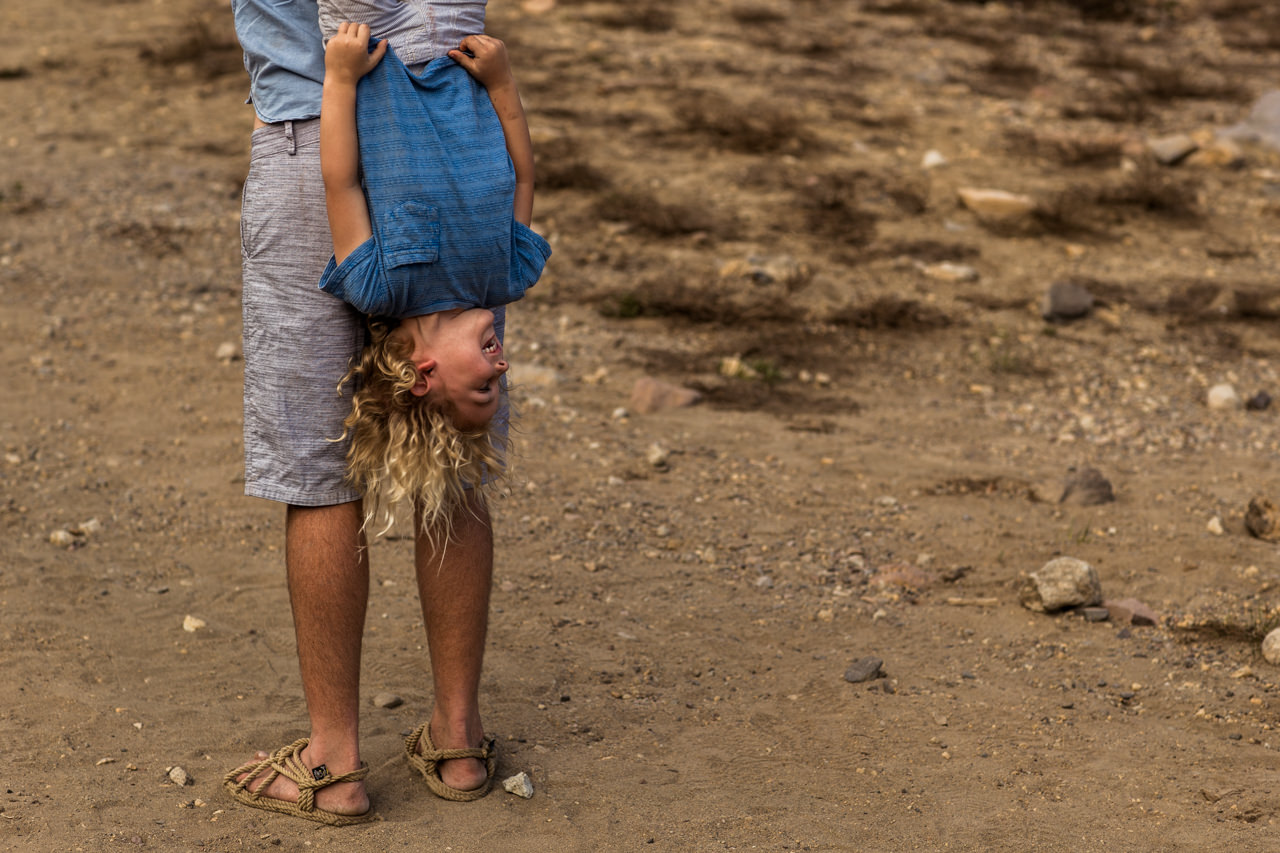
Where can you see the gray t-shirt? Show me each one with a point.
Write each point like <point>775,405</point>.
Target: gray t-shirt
<point>418,30</point>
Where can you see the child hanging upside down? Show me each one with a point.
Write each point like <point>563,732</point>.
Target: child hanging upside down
<point>433,238</point>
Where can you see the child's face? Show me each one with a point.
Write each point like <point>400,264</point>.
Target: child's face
<point>461,359</point>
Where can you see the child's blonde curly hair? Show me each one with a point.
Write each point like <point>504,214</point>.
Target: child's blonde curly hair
<point>408,448</point>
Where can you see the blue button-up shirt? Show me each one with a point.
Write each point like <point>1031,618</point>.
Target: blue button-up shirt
<point>284,56</point>
<point>440,187</point>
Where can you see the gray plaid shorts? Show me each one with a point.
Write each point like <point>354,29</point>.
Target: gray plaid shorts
<point>298,340</point>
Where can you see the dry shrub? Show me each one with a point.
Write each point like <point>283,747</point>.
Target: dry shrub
<point>655,218</point>
<point>1089,207</point>
<point>758,127</point>
<point>845,206</point>
<point>213,53</point>
<point>650,17</point>
<point>756,14</point>
<point>714,303</point>
<point>562,166</point>
<point>925,251</point>
<point>892,313</point>
<point>1108,56</point>
<point>1066,149</point>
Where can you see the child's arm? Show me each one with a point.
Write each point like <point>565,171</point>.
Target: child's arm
<point>346,60</point>
<point>488,63</point>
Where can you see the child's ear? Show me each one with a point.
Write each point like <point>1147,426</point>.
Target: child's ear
<point>423,386</point>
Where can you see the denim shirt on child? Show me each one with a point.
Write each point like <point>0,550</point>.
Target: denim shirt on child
<point>440,187</point>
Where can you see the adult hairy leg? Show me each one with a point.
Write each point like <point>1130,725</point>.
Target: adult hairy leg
<point>328,572</point>
<point>454,581</point>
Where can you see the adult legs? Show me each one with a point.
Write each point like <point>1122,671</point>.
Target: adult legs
<point>454,581</point>
<point>328,571</point>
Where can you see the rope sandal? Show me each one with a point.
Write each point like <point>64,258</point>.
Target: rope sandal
<point>287,761</point>
<point>428,764</point>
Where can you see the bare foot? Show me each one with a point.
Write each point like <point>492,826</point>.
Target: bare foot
<point>344,798</point>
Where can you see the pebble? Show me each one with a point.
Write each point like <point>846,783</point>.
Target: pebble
<point>658,457</point>
<point>1215,526</point>
<point>178,776</point>
<point>62,538</point>
<point>1258,402</point>
<point>1171,150</point>
<point>759,270</point>
<point>1223,396</point>
<point>997,205</point>
<point>1262,520</point>
<point>227,352</point>
<point>1095,614</point>
<point>1263,123</point>
<point>1271,646</point>
<point>520,785</point>
<point>1066,300</point>
<point>1130,611</point>
<point>651,395</point>
<point>1086,487</point>
<point>947,271</point>
<point>1061,583</point>
<point>1221,153</point>
<point>191,624</point>
<point>932,159</point>
<point>387,700</point>
<point>535,376</point>
<point>863,669</point>
<point>620,413</point>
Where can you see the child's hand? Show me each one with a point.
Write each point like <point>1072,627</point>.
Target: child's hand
<point>485,59</point>
<point>347,57</point>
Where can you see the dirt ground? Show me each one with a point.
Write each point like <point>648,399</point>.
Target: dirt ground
<point>741,200</point>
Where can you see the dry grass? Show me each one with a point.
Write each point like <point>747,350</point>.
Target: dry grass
<point>756,127</point>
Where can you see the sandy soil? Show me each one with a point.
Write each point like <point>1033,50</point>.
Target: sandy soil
<point>721,180</point>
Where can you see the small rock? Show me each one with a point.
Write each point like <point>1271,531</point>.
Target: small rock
<point>1262,520</point>
<point>178,776</point>
<point>1223,396</point>
<point>658,457</point>
<point>1221,153</point>
<point>1130,611</point>
<point>387,700</point>
<point>996,205</point>
<point>1263,123</point>
<point>89,528</point>
<point>1271,647</point>
<point>650,395</point>
<point>520,785</point>
<point>947,271</point>
<point>863,669</point>
<point>901,575</point>
<point>763,271</point>
<point>1215,526</point>
<point>1171,150</point>
<point>620,413</point>
<point>62,538</point>
<point>735,368</point>
<point>1061,583</point>
<point>534,376</point>
<point>1086,487</point>
<point>191,624</point>
<point>227,352</point>
<point>1066,300</point>
<point>1095,614</point>
<point>1258,402</point>
<point>932,159</point>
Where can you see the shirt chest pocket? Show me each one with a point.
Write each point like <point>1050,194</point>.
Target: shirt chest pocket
<point>411,234</point>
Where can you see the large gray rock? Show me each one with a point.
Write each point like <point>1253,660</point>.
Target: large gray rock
<point>1060,584</point>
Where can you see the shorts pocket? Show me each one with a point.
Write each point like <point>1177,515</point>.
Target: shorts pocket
<point>411,235</point>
